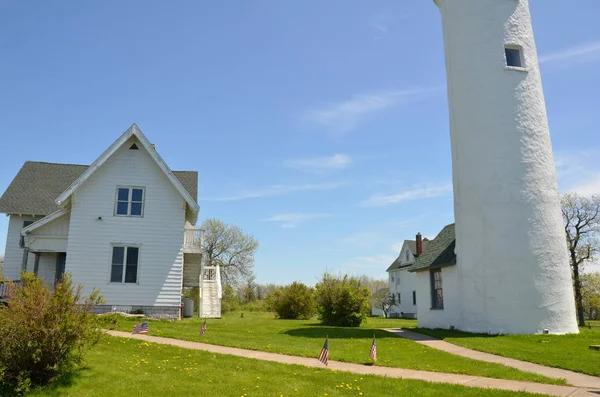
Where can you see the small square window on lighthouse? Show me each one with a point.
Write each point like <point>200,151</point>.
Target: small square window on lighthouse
<point>514,57</point>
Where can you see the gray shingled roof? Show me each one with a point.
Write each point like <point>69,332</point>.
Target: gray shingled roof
<point>412,246</point>
<point>37,185</point>
<point>439,252</point>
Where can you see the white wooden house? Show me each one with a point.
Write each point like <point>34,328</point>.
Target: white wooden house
<point>123,225</point>
<point>402,283</point>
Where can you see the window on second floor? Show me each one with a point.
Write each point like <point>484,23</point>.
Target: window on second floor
<point>130,201</point>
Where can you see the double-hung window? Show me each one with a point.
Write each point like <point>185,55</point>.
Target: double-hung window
<point>130,201</point>
<point>124,265</point>
<point>437,295</point>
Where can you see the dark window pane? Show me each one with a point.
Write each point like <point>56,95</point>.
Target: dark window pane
<point>116,273</point>
<point>132,255</point>
<point>122,208</point>
<point>123,195</point>
<point>137,195</point>
<point>22,240</point>
<point>118,255</point>
<point>513,57</point>
<point>131,274</point>
<point>136,209</point>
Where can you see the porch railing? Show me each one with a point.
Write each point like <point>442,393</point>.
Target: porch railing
<point>192,239</point>
<point>7,288</point>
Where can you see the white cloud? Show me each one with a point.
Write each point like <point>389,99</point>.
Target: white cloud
<point>345,116</point>
<point>397,247</point>
<point>320,164</point>
<point>580,53</point>
<point>413,194</point>
<point>361,240</point>
<point>589,187</point>
<point>577,171</point>
<point>277,190</point>
<point>293,219</point>
<point>372,265</point>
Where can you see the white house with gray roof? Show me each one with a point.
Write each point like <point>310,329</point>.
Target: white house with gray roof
<point>123,225</point>
<point>402,283</point>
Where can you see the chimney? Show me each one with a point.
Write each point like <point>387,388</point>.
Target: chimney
<point>419,245</point>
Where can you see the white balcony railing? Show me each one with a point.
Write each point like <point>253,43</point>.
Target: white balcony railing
<point>192,241</point>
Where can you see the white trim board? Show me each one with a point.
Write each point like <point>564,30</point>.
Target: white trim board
<point>131,131</point>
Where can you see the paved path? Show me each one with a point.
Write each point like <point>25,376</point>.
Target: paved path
<point>465,380</point>
<point>573,378</point>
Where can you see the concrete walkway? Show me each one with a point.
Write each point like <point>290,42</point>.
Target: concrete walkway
<point>465,380</point>
<point>573,378</point>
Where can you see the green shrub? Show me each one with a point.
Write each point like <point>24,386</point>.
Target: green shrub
<point>44,333</point>
<point>259,305</point>
<point>108,320</point>
<point>230,301</point>
<point>342,301</point>
<point>293,301</point>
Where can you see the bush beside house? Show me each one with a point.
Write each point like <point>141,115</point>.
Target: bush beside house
<point>44,333</point>
<point>342,300</point>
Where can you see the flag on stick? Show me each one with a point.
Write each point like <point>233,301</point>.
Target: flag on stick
<point>373,353</point>
<point>324,355</point>
<point>141,328</point>
<point>203,330</point>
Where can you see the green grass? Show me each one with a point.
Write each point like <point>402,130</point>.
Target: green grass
<point>261,331</point>
<point>124,367</point>
<point>570,352</point>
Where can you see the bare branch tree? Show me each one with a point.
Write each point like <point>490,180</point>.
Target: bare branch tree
<point>232,249</point>
<point>582,227</point>
<point>384,300</point>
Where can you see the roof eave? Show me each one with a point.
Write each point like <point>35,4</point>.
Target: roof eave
<point>131,131</point>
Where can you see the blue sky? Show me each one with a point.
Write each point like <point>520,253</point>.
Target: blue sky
<point>321,128</point>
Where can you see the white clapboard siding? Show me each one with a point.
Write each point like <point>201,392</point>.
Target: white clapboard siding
<point>159,233</point>
<point>191,270</point>
<point>13,255</point>
<point>51,236</point>
<point>46,267</point>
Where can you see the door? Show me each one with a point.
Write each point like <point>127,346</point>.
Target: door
<point>61,259</point>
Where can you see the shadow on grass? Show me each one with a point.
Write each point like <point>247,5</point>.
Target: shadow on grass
<point>57,388</point>
<point>440,333</point>
<point>338,333</point>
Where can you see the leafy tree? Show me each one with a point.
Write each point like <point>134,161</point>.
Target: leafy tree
<point>293,301</point>
<point>384,300</point>
<point>44,333</point>
<point>582,226</point>
<point>590,291</point>
<point>232,249</point>
<point>229,301</point>
<point>342,300</point>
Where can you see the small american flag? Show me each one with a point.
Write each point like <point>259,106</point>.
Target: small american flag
<point>141,328</point>
<point>203,330</point>
<point>373,353</point>
<point>324,355</point>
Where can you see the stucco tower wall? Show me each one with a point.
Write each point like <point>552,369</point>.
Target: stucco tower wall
<point>512,260</point>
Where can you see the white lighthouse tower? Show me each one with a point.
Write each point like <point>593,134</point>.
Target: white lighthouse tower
<point>512,266</point>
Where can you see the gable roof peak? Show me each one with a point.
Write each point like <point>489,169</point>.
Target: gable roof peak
<point>133,130</point>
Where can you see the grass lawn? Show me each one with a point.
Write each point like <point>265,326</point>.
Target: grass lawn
<point>122,367</point>
<point>562,351</point>
<point>261,331</point>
